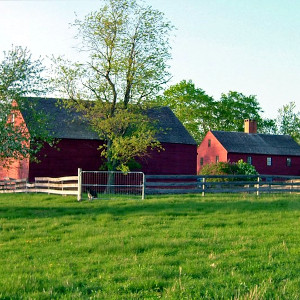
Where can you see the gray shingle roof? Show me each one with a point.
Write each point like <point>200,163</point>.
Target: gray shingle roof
<point>66,124</point>
<point>172,129</point>
<point>240,142</point>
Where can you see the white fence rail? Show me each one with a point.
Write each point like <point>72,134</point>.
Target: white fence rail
<point>11,185</point>
<point>60,186</point>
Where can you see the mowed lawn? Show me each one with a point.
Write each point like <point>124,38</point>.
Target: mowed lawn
<point>169,247</point>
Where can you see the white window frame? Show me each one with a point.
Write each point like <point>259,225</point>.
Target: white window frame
<point>249,160</point>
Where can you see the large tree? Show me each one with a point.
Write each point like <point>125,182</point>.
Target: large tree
<point>200,112</point>
<point>192,106</point>
<point>20,77</point>
<point>128,49</point>
<point>234,107</point>
<point>288,121</point>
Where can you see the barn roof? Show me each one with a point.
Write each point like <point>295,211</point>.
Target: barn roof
<point>63,123</point>
<point>240,142</point>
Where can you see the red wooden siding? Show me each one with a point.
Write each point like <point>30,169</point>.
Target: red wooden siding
<point>176,159</point>
<point>209,153</point>
<point>66,158</point>
<point>17,168</point>
<point>278,166</point>
<point>74,154</point>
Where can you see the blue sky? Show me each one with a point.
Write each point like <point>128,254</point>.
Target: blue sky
<point>249,46</point>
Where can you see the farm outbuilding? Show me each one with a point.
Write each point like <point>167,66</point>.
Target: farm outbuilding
<point>270,154</point>
<point>77,146</point>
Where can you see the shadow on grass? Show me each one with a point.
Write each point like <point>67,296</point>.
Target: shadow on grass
<point>187,207</point>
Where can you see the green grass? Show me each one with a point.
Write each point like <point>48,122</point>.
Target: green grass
<point>172,247</point>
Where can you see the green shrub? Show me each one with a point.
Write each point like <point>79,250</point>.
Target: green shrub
<point>228,168</point>
<point>245,168</point>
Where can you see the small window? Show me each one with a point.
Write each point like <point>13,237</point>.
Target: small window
<point>209,143</point>
<point>201,161</point>
<point>269,161</point>
<point>217,159</point>
<point>13,118</point>
<point>249,160</point>
<point>288,162</point>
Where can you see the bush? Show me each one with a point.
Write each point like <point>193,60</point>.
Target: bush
<point>245,168</point>
<point>228,168</point>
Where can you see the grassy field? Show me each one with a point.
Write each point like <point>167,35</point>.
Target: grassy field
<point>169,247</point>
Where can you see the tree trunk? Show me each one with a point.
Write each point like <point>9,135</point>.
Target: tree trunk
<point>110,188</point>
<point>112,164</point>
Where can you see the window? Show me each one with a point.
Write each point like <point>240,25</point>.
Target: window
<point>217,159</point>
<point>269,161</point>
<point>249,160</point>
<point>201,161</point>
<point>288,161</point>
<point>209,143</point>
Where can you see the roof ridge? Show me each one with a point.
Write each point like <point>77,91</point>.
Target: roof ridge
<point>63,124</point>
<point>240,142</point>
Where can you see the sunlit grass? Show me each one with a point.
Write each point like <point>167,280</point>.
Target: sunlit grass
<point>171,247</point>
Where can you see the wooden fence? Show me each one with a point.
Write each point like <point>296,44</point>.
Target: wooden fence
<point>191,184</point>
<point>166,184</point>
<point>61,186</point>
<point>11,185</point>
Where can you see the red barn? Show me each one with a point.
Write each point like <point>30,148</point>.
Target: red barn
<point>270,154</point>
<point>77,146</point>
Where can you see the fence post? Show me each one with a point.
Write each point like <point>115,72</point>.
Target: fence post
<point>79,184</point>
<point>257,187</point>
<point>203,186</point>
<point>143,188</point>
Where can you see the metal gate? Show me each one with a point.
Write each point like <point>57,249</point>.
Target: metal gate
<point>110,185</point>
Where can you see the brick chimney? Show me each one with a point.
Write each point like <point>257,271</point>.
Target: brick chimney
<point>250,126</point>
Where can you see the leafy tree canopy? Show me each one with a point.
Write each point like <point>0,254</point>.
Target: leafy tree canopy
<point>192,106</point>
<point>288,121</point>
<point>128,50</point>
<point>200,112</point>
<point>20,76</point>
<point>233,108</point>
